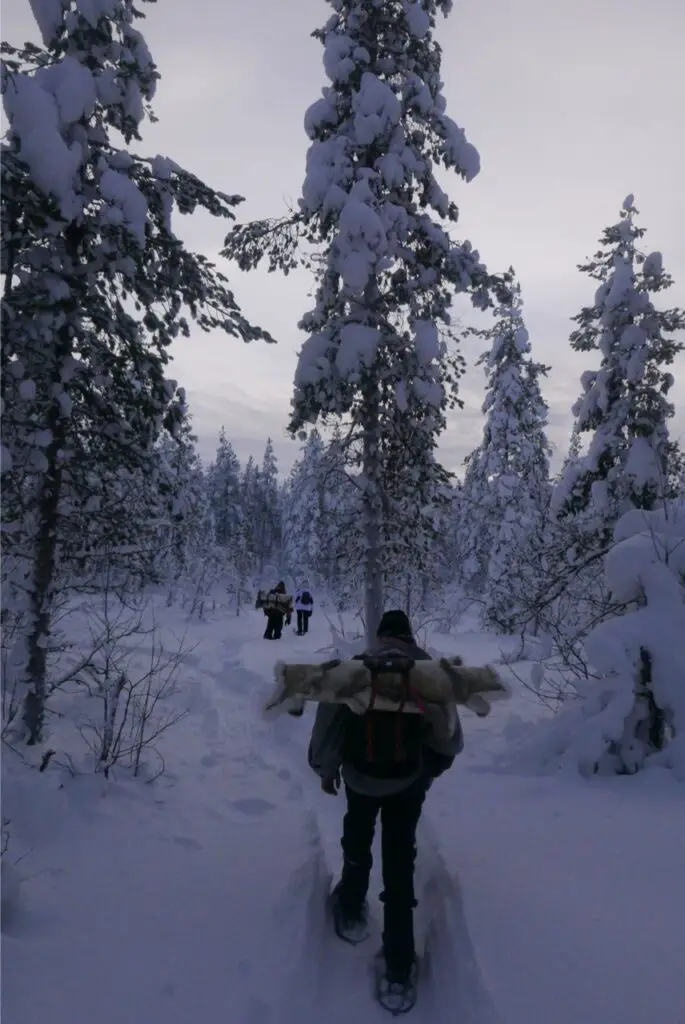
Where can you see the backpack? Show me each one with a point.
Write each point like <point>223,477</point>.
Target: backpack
<point>385,744</point>
<point>306,597</point>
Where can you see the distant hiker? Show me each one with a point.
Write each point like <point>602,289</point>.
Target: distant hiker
<point>304,605</point>
<point>277,606</point>
<point>388,762</point>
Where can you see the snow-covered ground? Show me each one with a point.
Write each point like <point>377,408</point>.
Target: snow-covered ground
<point>199,897</point>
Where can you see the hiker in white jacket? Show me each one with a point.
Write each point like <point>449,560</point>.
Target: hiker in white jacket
<point>304,605</point>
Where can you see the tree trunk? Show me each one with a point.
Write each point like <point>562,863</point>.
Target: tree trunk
<point>373,514</point>
<point>40,596</point>
<point>46,536</point>
<point>651,728</point>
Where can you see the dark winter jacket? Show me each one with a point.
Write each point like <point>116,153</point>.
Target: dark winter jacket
<point>442,740</point>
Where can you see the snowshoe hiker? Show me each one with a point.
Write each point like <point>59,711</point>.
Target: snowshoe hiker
<point>304,605</point>
<point>388,761</point>
<point>277,606</point>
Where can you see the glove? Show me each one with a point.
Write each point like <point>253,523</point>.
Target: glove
<point>288,620</point>
<point>331,783</point>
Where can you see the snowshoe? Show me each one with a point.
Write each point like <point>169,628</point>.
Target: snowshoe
<point>350,925</point>
<point>396,993</point>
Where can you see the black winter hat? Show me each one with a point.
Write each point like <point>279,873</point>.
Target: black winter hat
<point>394,623</point>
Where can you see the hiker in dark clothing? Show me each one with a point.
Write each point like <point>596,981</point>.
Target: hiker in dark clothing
<point>375,781</point>
<point>278,605</point>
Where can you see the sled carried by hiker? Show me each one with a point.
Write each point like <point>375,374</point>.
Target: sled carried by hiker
<point>387,724</point>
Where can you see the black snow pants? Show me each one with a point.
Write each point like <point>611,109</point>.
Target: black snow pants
<point>274,626</point>
<point>303,617</point>
<point>400,815</point>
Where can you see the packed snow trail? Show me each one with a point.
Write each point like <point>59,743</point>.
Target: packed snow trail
<point>333,977</point>
<point>202,896</point>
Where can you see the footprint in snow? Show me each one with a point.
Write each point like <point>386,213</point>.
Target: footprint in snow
<point>211,760</point>
<point>187,843</point>
<point>253,806</point>
<point>258,1011</point>
<point>211,723</point>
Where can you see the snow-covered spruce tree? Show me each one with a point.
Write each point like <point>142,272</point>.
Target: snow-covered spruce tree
<point>250,505</point>
<point>241,522</point>
<point>631,461</point>
<point>448,599</point>
<point>506,487</point>
<point>185,555</point>
<point>260,501</point>
<point>304,507</point>
<point>322,535</point>
<point>184,531</point>
<point>450,520</point>
<point>322,519</point>
<point>633,711</point>
<point>223,490</point>
<point>387,269</point>
<point>131,524</point>
<point>475,524</point>
<point>267,523</point>
<point>573,454</point>
<point>96,284</point>
<point>413,500</point>
<point>341,529</point>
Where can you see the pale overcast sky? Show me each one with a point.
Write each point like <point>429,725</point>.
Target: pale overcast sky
<point>572,104</point>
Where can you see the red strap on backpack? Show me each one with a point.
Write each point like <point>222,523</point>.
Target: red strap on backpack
<point>409,694</point>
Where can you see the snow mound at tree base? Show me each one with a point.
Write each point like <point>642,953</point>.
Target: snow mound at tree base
<point>633,715</point>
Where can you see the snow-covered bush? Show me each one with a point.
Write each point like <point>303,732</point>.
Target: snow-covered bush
<point>632,714</point>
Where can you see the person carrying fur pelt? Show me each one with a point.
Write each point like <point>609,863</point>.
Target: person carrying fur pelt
<point>388,761</point>
<point>277,607</point>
